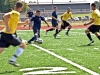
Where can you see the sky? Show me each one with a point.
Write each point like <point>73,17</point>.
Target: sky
<point>91,1</point>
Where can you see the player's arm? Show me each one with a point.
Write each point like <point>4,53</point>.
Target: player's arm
<point>72,17</point>
<point>46,23</point>
<point>23,23</point>
<point>92,20</point>
<point>43,19</point>
<point>6,18</point>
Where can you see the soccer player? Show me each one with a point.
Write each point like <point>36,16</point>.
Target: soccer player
<point>54,21</point>
<point>37,25</point>
<point>8,34</point>
<point>95,27</point>
<point>65,24</point>
<point>29,15</point>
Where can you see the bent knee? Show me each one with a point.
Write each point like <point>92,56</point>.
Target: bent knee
<point>23,45</point>
<point>87,31</point>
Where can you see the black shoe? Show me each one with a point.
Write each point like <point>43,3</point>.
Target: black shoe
<point>13,63</point>
<point>28,43</point>
<point>55,36</point>
<point>90,42</point>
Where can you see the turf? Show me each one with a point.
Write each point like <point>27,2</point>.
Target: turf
<point>73,48</point>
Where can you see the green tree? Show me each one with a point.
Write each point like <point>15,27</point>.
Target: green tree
<point>6,4</point>
<point>97,4</point>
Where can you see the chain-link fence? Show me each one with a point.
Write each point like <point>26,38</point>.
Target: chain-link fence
<point>79,16</point>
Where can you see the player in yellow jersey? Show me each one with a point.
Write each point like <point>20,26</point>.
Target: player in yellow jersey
<point>9,36</point>
<point>65,24</point>
<point>95,27</point>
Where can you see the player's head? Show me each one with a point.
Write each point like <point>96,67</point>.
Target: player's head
<point>55,8</point>
<point>93,6</point>
<point>10,9</point>
<point>38,12</point>
<point>68,9</point>
<point>19,6</point>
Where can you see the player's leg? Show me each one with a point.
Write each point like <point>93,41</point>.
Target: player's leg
<point>87,31</point>
<point>58,31</point>
<point>51,29</point>
<point>1,50</point>
<point>97,35</point>
<point>16,41</point>
<point>67,24</point>
<point>34,38</point>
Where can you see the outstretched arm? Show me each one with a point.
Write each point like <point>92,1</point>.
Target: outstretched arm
<point>46,23</point>
<point>92,20</point>
<point>25,22</point>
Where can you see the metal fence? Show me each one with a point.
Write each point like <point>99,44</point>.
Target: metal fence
<point>79,16</point>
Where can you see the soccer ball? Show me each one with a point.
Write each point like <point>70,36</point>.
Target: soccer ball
<point>40,41</point>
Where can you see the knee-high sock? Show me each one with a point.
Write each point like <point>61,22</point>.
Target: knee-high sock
<point>34,38</point>
<point>68,30</point>
<point>18,52</point>
<point>51,29</point>
<point>89,36</point>
<point>99,37</point>
<point>57,31</point>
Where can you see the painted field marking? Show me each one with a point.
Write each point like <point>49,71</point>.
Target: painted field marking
<point>45,70</point>
<point>66,60</point>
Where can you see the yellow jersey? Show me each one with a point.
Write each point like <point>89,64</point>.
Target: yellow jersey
<point>96,17</point>
<point>66,15</point>
<point>12,22</point>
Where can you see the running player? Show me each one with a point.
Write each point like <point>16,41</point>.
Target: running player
<point>9,36</point>
<point>37,26</point>
<point>95,27</point>
<point>65,24</point>
<point>54,21</point>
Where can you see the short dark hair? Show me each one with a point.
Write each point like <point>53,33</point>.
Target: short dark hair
<point>93,4</point>
<point>19,4</point>
<point>55,7</point>
<point>38,10</point>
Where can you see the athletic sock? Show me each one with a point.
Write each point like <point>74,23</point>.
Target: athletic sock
<point>18,52</point>
<point>57,31</point>
<point>68,30</point>
<point>89,36</point>
<point>33,38</point>
<point>99,37</point>
<point>51,29</point>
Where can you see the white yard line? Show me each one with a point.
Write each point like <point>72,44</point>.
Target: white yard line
<point>66,60</point>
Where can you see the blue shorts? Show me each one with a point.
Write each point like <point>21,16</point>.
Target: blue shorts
<point>54,24</point>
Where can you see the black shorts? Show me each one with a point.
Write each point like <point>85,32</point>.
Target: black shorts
<point>66,24</point>
<point>94,28</point>
<point>9,39</point>
<point>54,24</point>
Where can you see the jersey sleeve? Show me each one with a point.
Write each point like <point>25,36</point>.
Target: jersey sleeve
<point>32,19</point>
<point>53,14</point>
<point>93,15</point>
<point>14,15</point>
<point>42,18</point>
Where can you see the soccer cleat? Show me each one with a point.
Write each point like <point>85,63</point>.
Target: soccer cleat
<point>55,36</point>
<point>46,32</point>
<point>14,63</point>
<point>28,43</point>
<point>91,42</point>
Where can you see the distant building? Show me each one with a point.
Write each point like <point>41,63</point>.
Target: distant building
<point>76,6</point>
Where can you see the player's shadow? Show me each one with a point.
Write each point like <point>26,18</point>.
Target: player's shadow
<point>7,72</point>
<point>85,45</point>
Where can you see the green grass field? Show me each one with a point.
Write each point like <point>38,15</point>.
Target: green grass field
<point>73,48</point>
